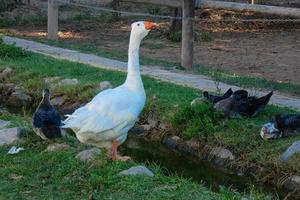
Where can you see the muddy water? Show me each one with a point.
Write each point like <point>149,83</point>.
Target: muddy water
<point>204,172</point>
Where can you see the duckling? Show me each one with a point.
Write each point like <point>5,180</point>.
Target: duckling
<point>240,104</point>
<point>46,120</point>
<point>214,99</point>
<point>281,126</point>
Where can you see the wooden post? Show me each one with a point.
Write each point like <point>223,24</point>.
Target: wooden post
<point>187,46</point>
<point>52,20</point>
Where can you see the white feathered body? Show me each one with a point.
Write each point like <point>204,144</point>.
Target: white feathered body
<point>108,117</point>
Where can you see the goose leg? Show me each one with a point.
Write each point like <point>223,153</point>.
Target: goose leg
<point>114,152</point>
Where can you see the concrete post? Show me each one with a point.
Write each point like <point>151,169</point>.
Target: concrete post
<point>52,20</point>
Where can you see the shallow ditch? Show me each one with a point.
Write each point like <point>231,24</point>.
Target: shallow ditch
<point>201,171</point>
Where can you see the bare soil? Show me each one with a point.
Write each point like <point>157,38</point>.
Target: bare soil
<point>259,49</point>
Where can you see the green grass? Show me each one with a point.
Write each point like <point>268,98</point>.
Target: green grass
<point>164,100</point>
<point>37,174</point>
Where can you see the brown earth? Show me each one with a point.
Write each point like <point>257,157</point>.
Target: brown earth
<point>260,49</point>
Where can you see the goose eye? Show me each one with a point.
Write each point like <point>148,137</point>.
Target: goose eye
<point>138,24</point>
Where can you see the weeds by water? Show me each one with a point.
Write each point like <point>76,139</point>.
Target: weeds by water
<point>198,121</point>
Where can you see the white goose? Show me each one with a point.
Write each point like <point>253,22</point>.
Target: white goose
<point>106,120</point>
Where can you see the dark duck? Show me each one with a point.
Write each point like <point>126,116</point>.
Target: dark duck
<point>281,126</point>
<point>46,120</point>
<point>238,103</point>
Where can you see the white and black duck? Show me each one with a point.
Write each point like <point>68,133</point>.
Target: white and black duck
<point>281,126</point>
<point>46,120</point>
<point>238,103</point>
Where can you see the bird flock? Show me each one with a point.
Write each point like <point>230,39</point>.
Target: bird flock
<point>104,122</point>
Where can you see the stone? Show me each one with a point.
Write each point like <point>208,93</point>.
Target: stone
<point>4,123</point>
<point>137,130</point>
<point>138,170</point>
<point>7,87</point>
<point>9,135</point>
<point>172,142</point>
<point>193,144</point>
<point>58,101</point>
<point>197,101</point>
<point>57,147</point>
<point>294,148</point>
<point>19,98</point>
<point>68,82</point>
<point>6,73</point>
<point>104,85</point>
<point>53,79</point>
<point>292,183</point>
<point>88,155</point>
<point>222,153</point>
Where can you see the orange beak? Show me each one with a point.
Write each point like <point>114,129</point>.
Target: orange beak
<point>150,25</point>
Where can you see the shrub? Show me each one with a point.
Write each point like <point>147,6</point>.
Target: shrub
<point>199,121</point>
<point>11,51</point>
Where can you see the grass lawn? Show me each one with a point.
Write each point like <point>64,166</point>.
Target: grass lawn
<point>57,172</point>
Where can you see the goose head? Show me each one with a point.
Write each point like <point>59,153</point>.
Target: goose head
<point>140,29</point>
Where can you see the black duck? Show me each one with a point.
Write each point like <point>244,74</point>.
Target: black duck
<point>241,104</point>
<point>46,120</point>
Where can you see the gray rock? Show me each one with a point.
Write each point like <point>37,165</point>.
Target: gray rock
<point>19,98</point>
<point>138,170</point>
<point>9,135</point>
<point>197,101</point>
<point>4,123</point>
<point>292,183</point>
<point>58,101</point>
<point>8,87</point>
<point>88,155</point>
<point>104,85</point>
<point>6,73</point>
<point>294,148</point>
<point>68,82</point>
<point>53,79</point>
<point>57,147</point>
<point>222,153</point>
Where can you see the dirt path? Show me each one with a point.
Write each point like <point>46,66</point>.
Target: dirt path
<point>180,78</point>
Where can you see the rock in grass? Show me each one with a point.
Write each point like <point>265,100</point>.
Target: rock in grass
<point>19,98</point>
<point>51,80</point>
<point>292,183</point>
<point>6,73</point>
<point>68,82</point>
<point>222,153</point>
<point>4,123</point>
<point>138,170</point>
<point>294,148</point>
<point>197,101</point>
<point>58,101</point>
<point>88,155</point>
<point>9,135</point>
<point>56,147</point>
<point>104,85</point>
